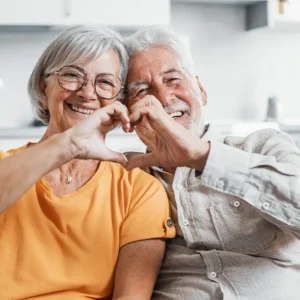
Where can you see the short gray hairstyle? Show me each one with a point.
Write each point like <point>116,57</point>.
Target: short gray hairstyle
<point>162,36</point>
<point>77,44</point>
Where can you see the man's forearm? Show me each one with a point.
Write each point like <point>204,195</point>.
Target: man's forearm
<point>199,155</point>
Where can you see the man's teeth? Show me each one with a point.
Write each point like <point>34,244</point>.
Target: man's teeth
<point>81,110</point>
<point>176,114</point>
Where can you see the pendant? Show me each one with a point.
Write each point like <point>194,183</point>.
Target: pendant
<point>69,180</point>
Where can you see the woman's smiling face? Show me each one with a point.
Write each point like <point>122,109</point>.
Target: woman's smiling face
<point>66,108</point>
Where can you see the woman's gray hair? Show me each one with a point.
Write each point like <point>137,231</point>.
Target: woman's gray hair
<point>77,44</point>
<point>161,36</point>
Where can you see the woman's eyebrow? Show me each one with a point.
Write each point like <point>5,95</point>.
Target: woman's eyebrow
<point>110,74</point>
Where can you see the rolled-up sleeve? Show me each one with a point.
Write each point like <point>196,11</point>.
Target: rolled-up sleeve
<point>268,179</point>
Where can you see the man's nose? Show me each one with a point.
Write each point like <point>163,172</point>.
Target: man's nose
<point>163,94</point>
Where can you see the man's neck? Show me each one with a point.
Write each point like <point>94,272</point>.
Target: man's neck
<point>170,170</point>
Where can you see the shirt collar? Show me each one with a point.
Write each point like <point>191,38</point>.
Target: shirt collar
<point>212,133</point>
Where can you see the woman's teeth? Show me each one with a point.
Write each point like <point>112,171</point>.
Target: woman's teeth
<point>81,110</point>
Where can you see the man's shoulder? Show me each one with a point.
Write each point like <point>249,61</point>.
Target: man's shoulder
<point>257,140</point>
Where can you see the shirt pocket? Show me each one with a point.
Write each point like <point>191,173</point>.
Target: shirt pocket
<point>240,228</point>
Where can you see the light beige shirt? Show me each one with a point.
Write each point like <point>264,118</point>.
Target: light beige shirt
<point>240,220</point>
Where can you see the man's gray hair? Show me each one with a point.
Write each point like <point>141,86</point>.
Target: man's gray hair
<point>77,44</point>
<point>161,36</point>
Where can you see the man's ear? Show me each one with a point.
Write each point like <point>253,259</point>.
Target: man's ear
<point>43,86</point>
<point>203,92</point>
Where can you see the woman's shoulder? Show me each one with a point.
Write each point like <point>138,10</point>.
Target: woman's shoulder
<point>12,151</point>
<point>133,176</point>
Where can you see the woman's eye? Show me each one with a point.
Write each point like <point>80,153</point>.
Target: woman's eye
<point>71,75</point>
<point>105,83</point>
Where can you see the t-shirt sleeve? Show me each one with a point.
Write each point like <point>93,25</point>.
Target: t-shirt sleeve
<point>148,214</point>
<point>2,154</point>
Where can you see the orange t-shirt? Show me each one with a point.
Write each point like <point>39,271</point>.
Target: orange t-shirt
<point>66,247</point>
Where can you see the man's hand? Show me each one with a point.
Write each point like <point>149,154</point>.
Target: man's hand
<point>170,143</point>
<point>88,136</point>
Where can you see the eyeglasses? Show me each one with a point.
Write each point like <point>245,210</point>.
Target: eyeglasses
<point>73,78</point>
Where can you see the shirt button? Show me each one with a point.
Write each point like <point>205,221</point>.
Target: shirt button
<point>213,275</point>
<point>179,186</point>
<point>220,184</point>
<point>266,205</point>
<point>186,222</point>
<point>236,203</point>
<point>170,223</point>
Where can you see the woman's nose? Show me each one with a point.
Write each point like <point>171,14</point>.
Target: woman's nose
<point>88,90</point>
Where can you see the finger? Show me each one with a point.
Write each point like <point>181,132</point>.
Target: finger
<point>147,100</point>
<point>131,129</point>
<point>141,161</point>
<point>116,110</point>
<point>116,157</point>
<point>136,115</point>
<point>160,121</point>
<point>117,114</point>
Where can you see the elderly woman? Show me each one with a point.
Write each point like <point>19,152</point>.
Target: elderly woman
<point>74,224</point>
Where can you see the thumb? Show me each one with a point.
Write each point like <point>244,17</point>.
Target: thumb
<point>141,161</point>
<point>116,157</point>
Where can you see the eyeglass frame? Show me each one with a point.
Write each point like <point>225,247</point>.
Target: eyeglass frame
<point>85,80</point>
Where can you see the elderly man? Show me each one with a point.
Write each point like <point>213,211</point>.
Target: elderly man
<point>235,200</point>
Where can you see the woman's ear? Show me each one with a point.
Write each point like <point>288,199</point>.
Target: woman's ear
<point>43,86</point>
<point>203,92</point>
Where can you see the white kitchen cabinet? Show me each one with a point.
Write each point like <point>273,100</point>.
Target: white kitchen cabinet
<point>31,12</point>
<point>130,14</point>
<point>289,16</point>
<point>119,13</point>
<point>263,13</point>
<point>243,2</point>
<point>267,14</point>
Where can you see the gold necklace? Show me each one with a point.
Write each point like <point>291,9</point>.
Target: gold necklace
<point>68,179</point>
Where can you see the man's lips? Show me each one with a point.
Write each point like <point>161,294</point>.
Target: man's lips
<point>176,114</point>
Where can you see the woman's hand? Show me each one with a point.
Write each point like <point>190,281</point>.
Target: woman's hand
<point>88,136</point>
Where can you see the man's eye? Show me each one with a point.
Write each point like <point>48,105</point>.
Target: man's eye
<point>173,80</point>
<point>141,92</point>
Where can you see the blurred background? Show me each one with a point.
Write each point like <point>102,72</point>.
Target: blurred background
<point>246,53</point>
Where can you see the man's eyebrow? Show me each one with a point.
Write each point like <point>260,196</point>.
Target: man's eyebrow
<point>171,70</point>
<point>135,84</point>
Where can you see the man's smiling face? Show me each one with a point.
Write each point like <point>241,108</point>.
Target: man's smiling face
<point>158,72</point>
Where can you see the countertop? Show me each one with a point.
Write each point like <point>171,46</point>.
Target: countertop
<point>225,126</point>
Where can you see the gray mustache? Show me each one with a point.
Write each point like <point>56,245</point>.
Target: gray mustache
<point>176,105</point>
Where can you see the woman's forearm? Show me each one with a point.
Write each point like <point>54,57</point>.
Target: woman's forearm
<point>20,171</point>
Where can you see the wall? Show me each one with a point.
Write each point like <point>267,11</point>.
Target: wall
<point>239,69</point>
<point>19,52</point>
